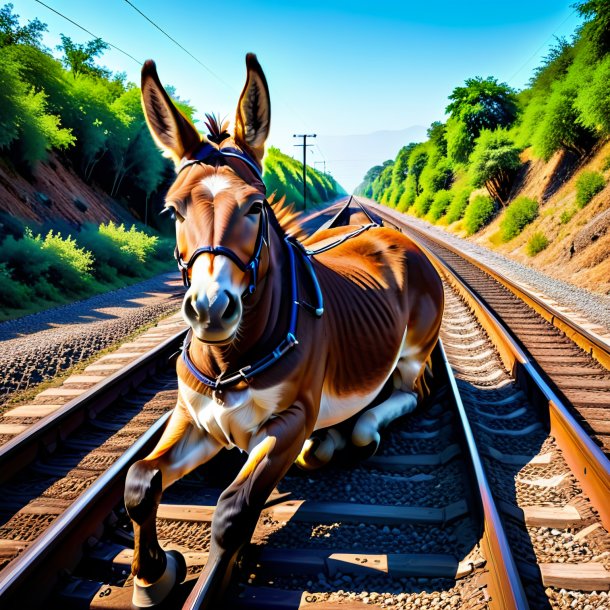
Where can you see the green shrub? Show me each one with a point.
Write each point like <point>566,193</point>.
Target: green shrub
<point>14,294</point>
<point>67,250</point>
<point>458,205</point>
<point>566,216</point>
<point>442,200</point>
<point>478,213</point>
<point>606,165</point>
<point>587,186</point>
<point>134,242</point>
<point>537,242</point>
<point>422,204</point>
<point>518,215</point>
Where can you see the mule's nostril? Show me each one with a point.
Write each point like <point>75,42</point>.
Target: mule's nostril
<point>231,307</point>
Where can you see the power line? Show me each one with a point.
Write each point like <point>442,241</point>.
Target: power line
<point>135,8</point>
<point>542,45</point>
<point>78,25</point>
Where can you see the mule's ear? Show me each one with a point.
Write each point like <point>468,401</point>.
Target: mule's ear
<point>253,110</point>
<point>170,129</point>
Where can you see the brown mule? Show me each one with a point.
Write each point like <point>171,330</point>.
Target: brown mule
<point>282,343</point>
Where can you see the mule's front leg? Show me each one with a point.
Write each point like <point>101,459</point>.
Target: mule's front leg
<point>181,448</point>
<point>240,505</point>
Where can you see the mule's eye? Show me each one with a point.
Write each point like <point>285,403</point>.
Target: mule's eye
<point>171,211</point>
<point>255,208</point>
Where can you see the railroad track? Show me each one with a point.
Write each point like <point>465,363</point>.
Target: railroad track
<point>418,525</point>
<point>74,457</point>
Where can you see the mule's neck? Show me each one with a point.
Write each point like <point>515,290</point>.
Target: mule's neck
<point>264,320</point>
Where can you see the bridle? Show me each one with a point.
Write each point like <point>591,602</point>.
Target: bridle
<point>252,266</point>
<point>295,249</point>
<point>206,154</point>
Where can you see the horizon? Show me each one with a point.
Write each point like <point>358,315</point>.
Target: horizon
<point>309,82</point>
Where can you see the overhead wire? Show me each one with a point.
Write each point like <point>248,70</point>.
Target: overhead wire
<point>535,53</point>
<point>207,68</point>
<point>78,25</point>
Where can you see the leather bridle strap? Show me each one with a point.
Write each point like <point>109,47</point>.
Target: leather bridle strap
<point>252,266</point>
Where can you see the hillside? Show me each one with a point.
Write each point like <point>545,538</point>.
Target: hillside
<point>579,249</point>
<point>523,172</point>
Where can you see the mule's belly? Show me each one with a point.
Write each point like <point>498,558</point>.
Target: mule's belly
<point>335,409</point>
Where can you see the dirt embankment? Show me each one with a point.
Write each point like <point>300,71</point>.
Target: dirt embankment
<point>579,248</point>
<point>54,193</point>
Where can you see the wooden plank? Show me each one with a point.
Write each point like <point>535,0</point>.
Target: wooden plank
<point>590,576</point>
<point>330,512</point>
<point>31,411</point>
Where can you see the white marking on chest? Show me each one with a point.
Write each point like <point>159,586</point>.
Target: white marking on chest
<point>215,184</point>
<point>235,420</point>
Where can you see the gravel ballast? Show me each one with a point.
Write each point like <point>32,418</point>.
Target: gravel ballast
<point>38,347</point>
<point>594,307</point>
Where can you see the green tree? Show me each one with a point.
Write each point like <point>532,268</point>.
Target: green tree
<point>12,33</point>
<point>437,135</point>
<point>80,58</point>
<point>560,126</point>
<point>480,104</point>
<point>494,163</point>
<point>400,171</point>
<point>596,30</point>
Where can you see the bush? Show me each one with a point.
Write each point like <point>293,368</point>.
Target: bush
<point>537,242</point>
<point>458,205</point>
<point>439,206</point>
<point>134,242</point>
<point>478,213</point>
<point>49,270</point>
<point>494,161</point>
<point>422,204</point>
<point>587,186</point>
<point>519,214</point>
<point>566,216</point>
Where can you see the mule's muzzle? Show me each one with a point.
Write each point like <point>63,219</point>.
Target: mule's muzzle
<point>214,316</point>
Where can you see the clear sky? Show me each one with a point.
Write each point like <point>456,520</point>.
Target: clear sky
<point>335,67</point>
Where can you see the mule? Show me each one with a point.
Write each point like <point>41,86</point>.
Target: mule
<point>283,342</point>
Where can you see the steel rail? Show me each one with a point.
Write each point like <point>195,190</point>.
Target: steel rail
<point>586,460</point>
<point>44,435</point>
<point>595,346</point>
<point>506,588</point>
<point>29,579</point>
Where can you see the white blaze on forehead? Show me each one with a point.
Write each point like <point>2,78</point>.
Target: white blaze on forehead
<point>215,184</point>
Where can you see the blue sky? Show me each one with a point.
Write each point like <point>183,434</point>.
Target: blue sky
<point>335,68</point>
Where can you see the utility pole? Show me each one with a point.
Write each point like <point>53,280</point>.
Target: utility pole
<point>320,163</point>
<point>304,145</point>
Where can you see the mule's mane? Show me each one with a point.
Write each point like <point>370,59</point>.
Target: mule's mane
<point>287,217</point>
<point>217,128</point>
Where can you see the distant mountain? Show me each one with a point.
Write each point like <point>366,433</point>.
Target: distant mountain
<point>349,157</point>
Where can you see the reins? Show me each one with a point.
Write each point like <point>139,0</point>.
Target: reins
<point>293,247</point>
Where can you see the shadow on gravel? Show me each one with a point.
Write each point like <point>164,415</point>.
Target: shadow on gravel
<point>94,309</point>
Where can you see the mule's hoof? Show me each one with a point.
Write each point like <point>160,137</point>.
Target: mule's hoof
<point>364,453</point>
<point>154,594</point>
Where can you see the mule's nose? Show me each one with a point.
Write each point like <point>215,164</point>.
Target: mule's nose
<point>213,310</point>
<point>228,308</point>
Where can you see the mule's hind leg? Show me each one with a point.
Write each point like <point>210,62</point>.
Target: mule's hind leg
<point>407,381</point>
<point>181,448</point>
